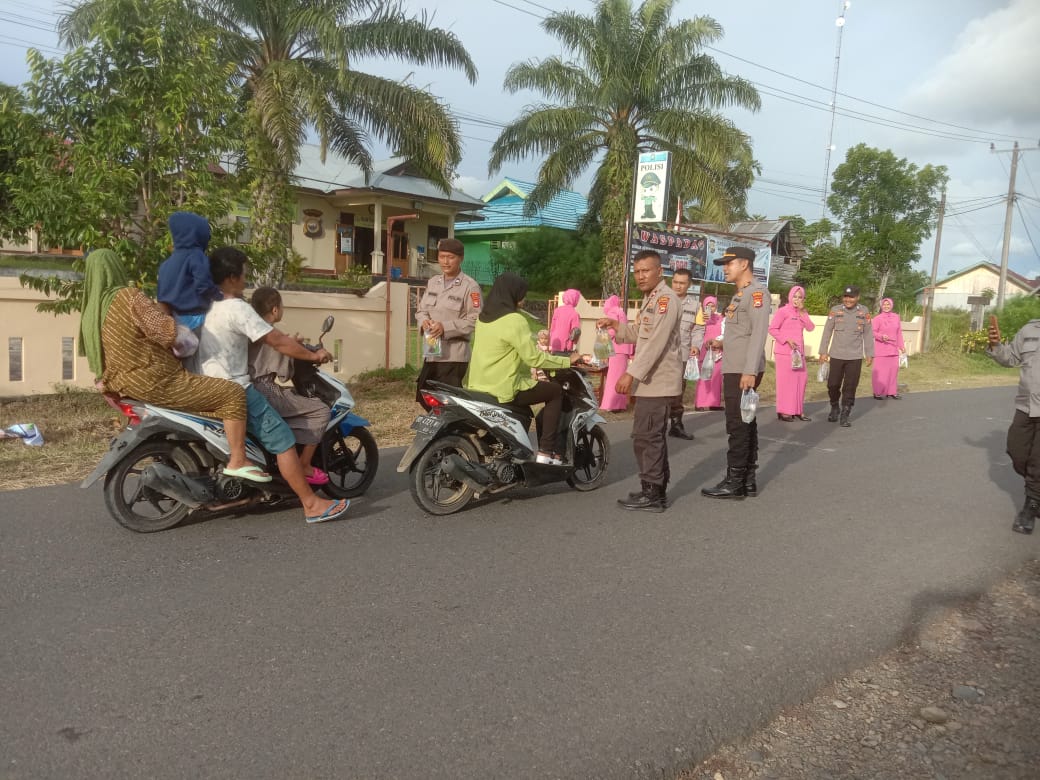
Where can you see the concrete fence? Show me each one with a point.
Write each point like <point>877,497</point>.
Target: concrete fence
<point>42,349</point>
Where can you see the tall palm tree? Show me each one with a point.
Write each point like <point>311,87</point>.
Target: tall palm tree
<point>634,82</point>
<point>295,60</point>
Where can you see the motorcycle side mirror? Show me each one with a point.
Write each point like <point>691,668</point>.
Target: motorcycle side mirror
<point>327,325</point>
<point>575,334</point>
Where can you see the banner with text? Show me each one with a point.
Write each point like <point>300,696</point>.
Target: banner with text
<point>696,251</point>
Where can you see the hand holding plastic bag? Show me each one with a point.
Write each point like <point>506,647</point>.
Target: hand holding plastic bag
<point>797,361</point>
<point>903,360</point>
<point>185,343</point>
<point>708,365</point>
<point>748,405</point>
<point>431,346</point>
<point>693,372</point>
<point>603,348</point>
<point>823,372</point>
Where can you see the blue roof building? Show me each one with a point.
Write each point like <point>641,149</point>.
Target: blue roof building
<point>503,219</point>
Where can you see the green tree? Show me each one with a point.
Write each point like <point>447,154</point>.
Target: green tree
<point>633,82</point>
<point>18,128</point>
<point>123,130</point>
<point>294,61</point>
<point>886,206</point>
<point>551,259</point>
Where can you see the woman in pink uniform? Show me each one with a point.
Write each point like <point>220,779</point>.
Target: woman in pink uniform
<point>788,331</point>
<point>888,346</point>
<point>617,365</point>
<point>709,393</point>
<point>565,318</point>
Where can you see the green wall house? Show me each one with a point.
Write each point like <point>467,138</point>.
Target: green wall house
<point>503,219</point>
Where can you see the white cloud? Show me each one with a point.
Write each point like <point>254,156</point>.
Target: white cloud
<point>989,77</point>
<point>473,186</point>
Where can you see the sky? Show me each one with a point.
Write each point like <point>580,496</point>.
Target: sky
<point>935,82</point>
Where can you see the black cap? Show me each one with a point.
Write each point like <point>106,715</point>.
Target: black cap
<point>737,253</point>
<point>852,290</point>
<point>452,245</point>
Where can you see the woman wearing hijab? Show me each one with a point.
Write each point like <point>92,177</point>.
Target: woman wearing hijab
<point>788,331</point>
<point>709,393</point>
<point>565,319</point>
<point>888,346</point>
<point>613,401</point>
<point>504,353</point>
<point>126,339</point>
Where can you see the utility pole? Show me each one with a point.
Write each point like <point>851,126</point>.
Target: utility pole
<point>1002,284</point>
<point>935,272</point>
<point>840,24</point>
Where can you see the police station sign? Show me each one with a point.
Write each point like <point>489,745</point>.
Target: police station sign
<point>677,250</point>
<point>651,192</point>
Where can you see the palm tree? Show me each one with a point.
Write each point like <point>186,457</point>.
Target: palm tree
<point>294,60</point>
<point>634,82</point>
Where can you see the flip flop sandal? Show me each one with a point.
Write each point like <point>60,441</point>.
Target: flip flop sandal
<point>331,513</point>
<point>317,477</point>
<point>252,472</point>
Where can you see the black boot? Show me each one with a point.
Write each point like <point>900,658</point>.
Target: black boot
<point>678,431</point>
<point>750,483</point>
<point>833,416</point>
<point>651,499</point>
<point>845,412</point>
<point>1026,519</point>
<point>731,487</point>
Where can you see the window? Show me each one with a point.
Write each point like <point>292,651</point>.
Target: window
<point>496,244</point>
<point>14,359</point>
<point>245,230</point>
<point>68,358</point>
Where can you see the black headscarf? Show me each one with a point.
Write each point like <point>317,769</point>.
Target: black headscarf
<point>505,296</point>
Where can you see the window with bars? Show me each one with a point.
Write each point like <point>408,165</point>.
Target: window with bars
<point>497,244</point>
<point>14,359</point>
<point>68,358</point>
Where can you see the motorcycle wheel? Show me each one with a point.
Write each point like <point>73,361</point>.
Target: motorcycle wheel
<point>434,491</point>
<point>591,458</point>
<point>351,464</point>
<point>140,508</point>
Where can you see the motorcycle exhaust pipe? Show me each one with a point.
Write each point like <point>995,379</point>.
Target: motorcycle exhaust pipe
<point>473,475</point>
<point>173,484</point>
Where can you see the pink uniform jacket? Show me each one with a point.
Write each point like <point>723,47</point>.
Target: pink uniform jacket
<point>888,324</point>
<point>564,320</point>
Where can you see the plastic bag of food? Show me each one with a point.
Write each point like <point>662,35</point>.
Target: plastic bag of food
<point>431,346</point>
<point>797,361</point>
<point>823,372</point>
<point>903,360</point>
<point>708,365</point>
<point>693,371</point>
<point>603,348</point>
<point>748,405</point>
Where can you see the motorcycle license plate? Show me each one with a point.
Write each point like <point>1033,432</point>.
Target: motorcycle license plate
<point>426,424</point>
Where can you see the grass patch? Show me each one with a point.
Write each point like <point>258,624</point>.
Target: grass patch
<point>35,263</point>
<point>77,425</point>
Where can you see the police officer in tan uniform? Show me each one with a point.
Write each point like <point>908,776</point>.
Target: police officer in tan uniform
<point>847,338</point>
<point>689,306</point>
<point>743,363</point>
<point>656,372</point>
<point>449,310</point>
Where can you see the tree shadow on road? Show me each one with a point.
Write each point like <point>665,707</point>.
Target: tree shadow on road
<point>1001,472</point>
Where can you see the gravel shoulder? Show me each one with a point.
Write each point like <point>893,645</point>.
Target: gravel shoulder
<point>960,700</point>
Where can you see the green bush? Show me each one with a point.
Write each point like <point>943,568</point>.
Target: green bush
<point>974,341</point>
<point>1015,313</point>
<point>948,326</point>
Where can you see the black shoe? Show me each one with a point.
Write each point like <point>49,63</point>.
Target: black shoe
<point>1026,519</point>
<point>803,418</point>
<point>833,416</point>
<point>700,408</point>
<point>716,408</point>
<point>896,397</point>
<point>678,431</point>
<point>731,487</point>
<point>750,482</point>
<point>879,397</point>
<point>785,417</point>
<point>844,420</point>
<point>650,499</point>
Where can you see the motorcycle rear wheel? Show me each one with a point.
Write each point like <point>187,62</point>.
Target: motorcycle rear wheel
<point>434,491</point>
<point>351,464</point>
<point>137,507</point>
<point>591,458</point>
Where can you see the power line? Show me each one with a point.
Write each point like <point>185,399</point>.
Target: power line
<point>1026,227</point>
<point>517,8</point>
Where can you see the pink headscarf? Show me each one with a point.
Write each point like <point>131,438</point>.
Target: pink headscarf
<point>710,299</point>
<point>571,297</point>
<point>796,288</point>
<point>890,301</point>
<point>565,318</point>
<point>612,308</point>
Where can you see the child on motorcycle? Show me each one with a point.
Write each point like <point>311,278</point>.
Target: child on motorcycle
<point>308,417</point>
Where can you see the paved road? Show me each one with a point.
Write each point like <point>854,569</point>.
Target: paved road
<point>545,635</point>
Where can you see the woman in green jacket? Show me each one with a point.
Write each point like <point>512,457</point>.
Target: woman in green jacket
<point>504,354</point>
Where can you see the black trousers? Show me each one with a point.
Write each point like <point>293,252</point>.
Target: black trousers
<point>446,371</point>
<point>843,381</point>
<point>1023,446</point>
<point>650,439</point>
<point>550,394</point>
<point>743,437</point>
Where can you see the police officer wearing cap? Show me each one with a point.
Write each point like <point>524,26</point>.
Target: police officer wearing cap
<point>743,363</point>
<point>657,373</point>
<point>847,338</point>
<point>448,310</point>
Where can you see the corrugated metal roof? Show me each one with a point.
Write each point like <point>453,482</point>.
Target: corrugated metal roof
<point>758,230</point>
<point>392,175</point>
<point>504,209</point>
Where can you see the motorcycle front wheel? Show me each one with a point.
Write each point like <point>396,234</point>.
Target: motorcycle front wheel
<point>433,490</point>
<point>351,462</point>
<point>137,507</point>
<point>591,458</point>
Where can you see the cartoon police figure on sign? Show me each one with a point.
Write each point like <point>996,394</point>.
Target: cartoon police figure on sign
<point>650,183</point>
<point>651,187</point>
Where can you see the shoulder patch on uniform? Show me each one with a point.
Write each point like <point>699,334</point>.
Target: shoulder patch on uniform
<point>756,299</point>
<point>831,313</point>
<point>662,305</point>
<point>475,298</point>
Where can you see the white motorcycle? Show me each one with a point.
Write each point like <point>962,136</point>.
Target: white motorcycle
<point>166,465</point>
<point>470,445</point>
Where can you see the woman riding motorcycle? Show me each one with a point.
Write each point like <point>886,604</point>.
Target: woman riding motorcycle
<point>504,353</point>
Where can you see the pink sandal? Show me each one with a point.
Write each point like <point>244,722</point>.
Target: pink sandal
<point>317,477</point>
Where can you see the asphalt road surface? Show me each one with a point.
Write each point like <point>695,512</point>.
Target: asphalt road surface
<point>547,634</point>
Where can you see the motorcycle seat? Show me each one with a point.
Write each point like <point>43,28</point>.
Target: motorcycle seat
<point>519,410</point>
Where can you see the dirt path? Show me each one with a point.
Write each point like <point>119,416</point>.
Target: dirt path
<point>961,701</point>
